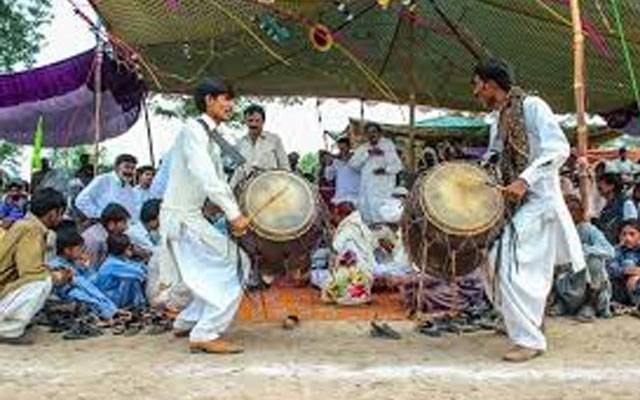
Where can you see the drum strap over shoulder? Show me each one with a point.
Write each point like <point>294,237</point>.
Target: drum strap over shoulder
<point>512,131</point>
<point>226,147</point>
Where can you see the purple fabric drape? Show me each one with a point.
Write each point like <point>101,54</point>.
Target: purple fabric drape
<point>63,94</point>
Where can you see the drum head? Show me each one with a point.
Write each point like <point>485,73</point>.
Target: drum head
<point>457,199</point>
<point>281,205</point>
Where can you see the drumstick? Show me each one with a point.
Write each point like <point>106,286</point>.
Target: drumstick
<point>272,199</point>
<point>254,215</point>
<point>495,186</point>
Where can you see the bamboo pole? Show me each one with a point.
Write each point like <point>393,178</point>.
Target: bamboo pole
<point>147,122</point>
<point>98,104</point>
<point>579,90</point>
<point>411,151</point>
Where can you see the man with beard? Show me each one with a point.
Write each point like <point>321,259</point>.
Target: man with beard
<point>203,259</point>
<point>262,150</point>
<point>112,187</point>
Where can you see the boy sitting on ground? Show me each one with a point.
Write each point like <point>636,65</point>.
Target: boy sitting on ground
<point>586,293</point>
<point>145,234</point>
<point>121,278</point>
<point>624,269</point>
<point>81,289</point>
<point>114,220</point>
<point>13,208</point>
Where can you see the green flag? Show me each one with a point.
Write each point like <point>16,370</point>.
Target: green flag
<point>38,139</point>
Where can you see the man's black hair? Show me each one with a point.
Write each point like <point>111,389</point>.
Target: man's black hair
<point>117,244</point>
<point>209,87</point>
<point>372,126</point>
<point>123,158</point>
<point>150,210</point>
<point>46,200</point>
<point>612,179</point>
<point>255,109</point>
<point>344,140</point>
<point>495,70</point>
<point>67,237</point>
<point>114,212</point>
<point>143,169</point>
<point>634,223</point>
<point>14,184</point>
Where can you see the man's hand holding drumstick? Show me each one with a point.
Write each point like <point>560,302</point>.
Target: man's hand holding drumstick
<point>240,225</point>
<point>515,191</point>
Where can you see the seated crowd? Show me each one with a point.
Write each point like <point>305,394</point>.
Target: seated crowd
<point>95,248</point>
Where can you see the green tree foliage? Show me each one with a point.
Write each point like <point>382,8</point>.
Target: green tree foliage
<point>69,158</point>
<point>183,107</point>
<point>20,36</point>
<point>10,158</point>
<point>309,163</point>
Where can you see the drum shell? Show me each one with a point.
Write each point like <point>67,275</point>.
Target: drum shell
<point>439,253</point>
<point>291,251</point>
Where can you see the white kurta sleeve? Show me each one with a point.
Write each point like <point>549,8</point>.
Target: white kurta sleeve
<point>554,147</point>
<point>360,157</point>
<point>392,160</point>
<point>281,155</point>
<point>87,200</point>
<point>201,166</point>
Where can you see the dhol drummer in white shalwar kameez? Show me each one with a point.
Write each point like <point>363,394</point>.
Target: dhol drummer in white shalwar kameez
<point>207,261</point>
<point>528,148</point>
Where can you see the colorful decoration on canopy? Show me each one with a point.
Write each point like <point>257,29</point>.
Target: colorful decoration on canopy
<point>378,49</point>
<point>62,96</point>
<point>321,38</point>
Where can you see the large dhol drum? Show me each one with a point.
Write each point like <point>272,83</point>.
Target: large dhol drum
<point>287,218</point>
<point>453,213</point>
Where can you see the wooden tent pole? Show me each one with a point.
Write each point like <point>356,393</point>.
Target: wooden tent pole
<point>579,90</point>
<point>147,122</point>
<point>98,100</point>
<point>411,151</point>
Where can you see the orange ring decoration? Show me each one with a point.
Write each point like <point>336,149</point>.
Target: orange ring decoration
<point>321,37</point>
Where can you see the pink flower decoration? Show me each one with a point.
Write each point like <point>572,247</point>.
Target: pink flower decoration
<point>356,291</point>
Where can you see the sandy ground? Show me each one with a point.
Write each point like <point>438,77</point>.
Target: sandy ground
<point>327,360</point>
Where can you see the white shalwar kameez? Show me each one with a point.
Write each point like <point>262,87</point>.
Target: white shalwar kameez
<point>545,234</point>
<point>375,189</point>
<point>105,189</point>
<point>205,259</point>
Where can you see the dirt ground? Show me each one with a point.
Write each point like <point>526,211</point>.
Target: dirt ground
<point>325,360</point>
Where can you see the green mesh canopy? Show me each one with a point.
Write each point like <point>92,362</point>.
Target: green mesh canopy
<point>264,47</point>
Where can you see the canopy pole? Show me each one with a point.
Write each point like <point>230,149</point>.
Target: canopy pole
<point>411,151</point>
<point>579,91</point>
<point>98,98</point>
<point>147,123</point>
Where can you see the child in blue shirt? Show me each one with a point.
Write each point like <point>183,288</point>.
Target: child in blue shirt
<point>586,293</point>
<point>624,269</point>
<point>81,289</point>
<point>121,278</point>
